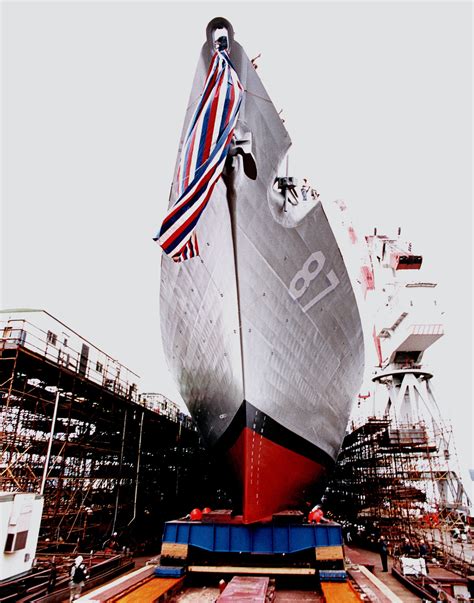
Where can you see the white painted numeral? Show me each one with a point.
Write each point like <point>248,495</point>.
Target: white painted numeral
<point>304,277</point>
<point>333,283</point>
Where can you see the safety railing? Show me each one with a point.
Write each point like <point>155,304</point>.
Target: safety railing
<point>54,341</point>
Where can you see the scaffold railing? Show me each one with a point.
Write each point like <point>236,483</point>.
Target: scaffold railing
<point>43,334</point>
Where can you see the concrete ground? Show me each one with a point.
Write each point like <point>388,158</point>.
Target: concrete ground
<point>386,577</point>
<point>209,594</point>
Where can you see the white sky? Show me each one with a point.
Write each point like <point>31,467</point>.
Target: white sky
<point>377,98</point>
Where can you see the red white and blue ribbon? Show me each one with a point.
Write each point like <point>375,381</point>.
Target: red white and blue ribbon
<point>202,159</point>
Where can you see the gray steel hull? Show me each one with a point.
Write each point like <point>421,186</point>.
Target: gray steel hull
<point>267,315</point>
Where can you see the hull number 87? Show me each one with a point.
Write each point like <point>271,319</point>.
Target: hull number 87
<point>303,278</point>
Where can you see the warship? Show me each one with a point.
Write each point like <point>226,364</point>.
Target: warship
<point>260,321</point>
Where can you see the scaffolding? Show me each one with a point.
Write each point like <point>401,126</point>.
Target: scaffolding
<point>397,475</point>
<point>73,427</point>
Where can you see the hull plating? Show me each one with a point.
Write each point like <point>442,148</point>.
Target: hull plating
<point>266,317</point>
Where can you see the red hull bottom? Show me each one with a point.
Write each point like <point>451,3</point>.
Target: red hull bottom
<point>273,477</point>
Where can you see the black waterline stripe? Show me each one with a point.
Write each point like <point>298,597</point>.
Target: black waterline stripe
<point>249,416</point>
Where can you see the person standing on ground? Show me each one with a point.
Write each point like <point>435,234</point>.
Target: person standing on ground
<point>383,550</point>
<point>53,574</point>
<point>423,549</point>
<point>79,576</point>
<point>407,548</point>
<point>423,552</point>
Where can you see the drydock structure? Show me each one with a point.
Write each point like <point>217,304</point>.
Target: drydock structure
<point>75,429</point>
<point>267,345</point>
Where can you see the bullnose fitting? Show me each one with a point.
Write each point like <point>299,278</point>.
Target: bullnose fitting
<point>220,34</point>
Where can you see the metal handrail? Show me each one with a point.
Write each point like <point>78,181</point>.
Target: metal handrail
<point>97,366</point>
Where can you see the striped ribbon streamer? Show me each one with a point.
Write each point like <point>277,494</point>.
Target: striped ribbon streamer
<point>203,156</point>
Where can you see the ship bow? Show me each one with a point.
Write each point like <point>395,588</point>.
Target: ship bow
<point>277,468</point>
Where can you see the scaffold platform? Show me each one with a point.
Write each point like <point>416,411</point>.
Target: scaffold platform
<point>74,427</point>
